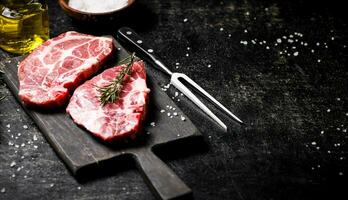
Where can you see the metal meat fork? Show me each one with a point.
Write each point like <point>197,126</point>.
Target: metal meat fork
<point>129,37</point>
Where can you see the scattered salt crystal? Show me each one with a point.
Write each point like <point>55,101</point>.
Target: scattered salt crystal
<point>153,124</point>
<point>340,173</point>
<point>19,169</point>
<point>290,40</point>
<point>162,111</point>
<point>229,35</point>
<point>183,118</point>
<point>247,13</point>
<point>8,125</point>
<point>175,113</point>
<point>168,114</point>
<point>338,99</point>
<point>35,146</point>
<point>177,63</point>
<point>332,38</point>
<point>253,41</point>
<point>13,175</point>
<point>171,116</point>
<point>19,134</point>
<point>244,42</point>
<point>79,188</point>
<point>245,31</point>
<point>321,132</point>
<point>3,190</point>
<point>221,29</point>
<point>291,36</point>
<point>318,44</point>
<point>9,131</point>
<point>34,137</point>
<point>25,126</point>
<point>296,53</point>
<point>185,20</point>
<point>17,146</point>
<point>176,94</point>
<point>329,152</point>
<point>209,66</point>
<point>267,47</point>
<point>178,135</point>
<point>328,110</point>
<point>178,99</point>
<point>173,108</point>
<point>314,143</point>
<point>23,144</point>
<point>25,176</point>
<point>279,40</point>
<point>167,106</point>
<point>52,184</point>
<point>312,50</point>
<point>13,163</point>
<point>170,107</point>
<point>10,143</point>
<point>187,55</point>
<point>22,157</point>
<point>209,136</point>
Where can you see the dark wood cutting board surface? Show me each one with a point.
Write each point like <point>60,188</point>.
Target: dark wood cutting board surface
<point>79,150</point>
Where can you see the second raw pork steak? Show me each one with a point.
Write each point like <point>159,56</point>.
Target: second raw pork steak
<point>114,120</point>
<point>56,68</point>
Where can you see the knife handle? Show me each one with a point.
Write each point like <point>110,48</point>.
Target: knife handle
<point>135,43</point>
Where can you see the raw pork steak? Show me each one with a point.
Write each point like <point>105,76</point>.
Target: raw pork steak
<point>114,120</point>
<point>59,65</point>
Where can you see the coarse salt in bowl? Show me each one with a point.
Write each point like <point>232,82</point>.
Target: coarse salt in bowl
<point>91,10</point>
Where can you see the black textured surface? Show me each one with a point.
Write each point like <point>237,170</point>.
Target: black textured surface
<point>294,144</point>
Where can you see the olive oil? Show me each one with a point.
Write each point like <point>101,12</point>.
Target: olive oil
<point>23,25</point>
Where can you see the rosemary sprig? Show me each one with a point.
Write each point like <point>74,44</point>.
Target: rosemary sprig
<point>111,92</point>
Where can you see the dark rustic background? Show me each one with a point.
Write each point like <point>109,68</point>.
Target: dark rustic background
<point>278,65</point>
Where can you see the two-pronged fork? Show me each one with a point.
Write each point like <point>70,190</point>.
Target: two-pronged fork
<point>134,41</point>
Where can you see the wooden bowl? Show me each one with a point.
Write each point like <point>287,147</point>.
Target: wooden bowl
<point>86,16</point>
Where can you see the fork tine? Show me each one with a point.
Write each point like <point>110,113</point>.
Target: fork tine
<point>209,97</point>
<point>181,87</point>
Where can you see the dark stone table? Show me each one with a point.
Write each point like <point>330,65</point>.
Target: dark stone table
<point>278,65</point>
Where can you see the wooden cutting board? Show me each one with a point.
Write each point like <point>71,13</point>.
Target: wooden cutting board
<point>79,150</point>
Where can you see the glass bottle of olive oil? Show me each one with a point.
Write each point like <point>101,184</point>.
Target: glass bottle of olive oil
<point>23,25</point>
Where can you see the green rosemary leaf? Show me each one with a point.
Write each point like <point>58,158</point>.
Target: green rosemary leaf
<point>111,92</point>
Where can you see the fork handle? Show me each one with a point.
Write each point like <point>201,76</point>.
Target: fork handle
<point>134,42</point>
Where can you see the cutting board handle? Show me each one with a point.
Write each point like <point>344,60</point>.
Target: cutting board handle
<point>160,178</point>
